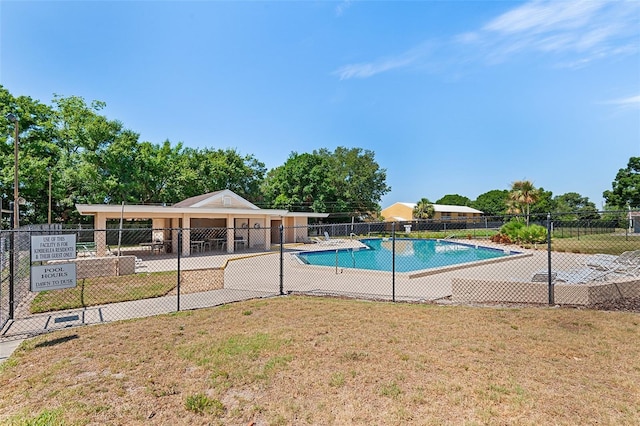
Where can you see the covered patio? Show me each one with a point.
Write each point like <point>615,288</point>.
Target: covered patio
<point>222,220</point>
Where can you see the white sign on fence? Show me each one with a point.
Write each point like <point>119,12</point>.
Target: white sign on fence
<point>53,247</point>
<point>53,277</point>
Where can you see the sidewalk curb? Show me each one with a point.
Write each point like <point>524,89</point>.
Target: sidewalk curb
<point>7,348</point>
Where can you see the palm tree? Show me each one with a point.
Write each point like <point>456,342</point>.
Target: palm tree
<point>523,193</point>
<point>423,209</point>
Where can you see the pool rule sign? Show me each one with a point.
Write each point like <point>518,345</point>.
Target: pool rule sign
<point>53,276</point>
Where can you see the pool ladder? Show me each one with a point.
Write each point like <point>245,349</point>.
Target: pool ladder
<point>353,260</point>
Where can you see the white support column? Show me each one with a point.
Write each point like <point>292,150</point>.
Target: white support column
<point>157,232</point>
<point>100,237</point>
<point>267,233</point>
<point>230,233</point>
<point>186,235</point>
<point>175,224</point>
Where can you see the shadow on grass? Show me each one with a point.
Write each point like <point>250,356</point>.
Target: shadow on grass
<point>57,341</point>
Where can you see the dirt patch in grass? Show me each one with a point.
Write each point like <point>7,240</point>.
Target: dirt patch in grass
<point>300,360</point>
<point>630,304</point>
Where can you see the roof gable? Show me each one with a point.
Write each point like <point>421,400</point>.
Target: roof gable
<point>218,199</point>
<point>441,208</point>
<point>447,208</point>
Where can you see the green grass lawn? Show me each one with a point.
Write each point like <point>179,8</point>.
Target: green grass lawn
<point>321,361</point>
<point>596,243</point>
<point>103,290</point>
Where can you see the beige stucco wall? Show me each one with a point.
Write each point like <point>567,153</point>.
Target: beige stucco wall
<point>110,266</point>
<point>197,280</point>
<point>473,290</point>
<point>405,212</point>
<point>397,210</point>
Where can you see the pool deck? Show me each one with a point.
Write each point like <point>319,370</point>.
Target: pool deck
<point>260,271</point>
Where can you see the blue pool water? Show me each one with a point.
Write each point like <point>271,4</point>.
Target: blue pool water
<point>411,255</point>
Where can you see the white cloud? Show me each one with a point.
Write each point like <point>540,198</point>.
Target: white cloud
<point>541,16</point>
<point>572,33</point>
<point>364,70</point>
<point>341,7</point>
<point>369,69</point>
<point>585,29</point>
<point>632,101</point>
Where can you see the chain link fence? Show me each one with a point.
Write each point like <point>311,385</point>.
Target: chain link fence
<point>137,272</point>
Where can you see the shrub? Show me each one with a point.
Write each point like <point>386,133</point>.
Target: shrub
<point>512,229</point>
<point>517,231</point>
<point>532,234</point>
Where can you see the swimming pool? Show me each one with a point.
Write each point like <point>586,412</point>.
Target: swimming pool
<point>411,255</point>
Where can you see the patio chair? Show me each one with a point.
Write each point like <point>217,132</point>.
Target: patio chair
<point>239,242</point>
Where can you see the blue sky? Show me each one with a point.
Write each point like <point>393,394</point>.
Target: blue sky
<point>452,96</point>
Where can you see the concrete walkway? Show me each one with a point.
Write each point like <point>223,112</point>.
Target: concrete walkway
<point>7,348</point>
<point>16,331</point>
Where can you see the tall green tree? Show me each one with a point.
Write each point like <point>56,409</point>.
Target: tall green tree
<point>574,206</point>
<point>92,159</point>
<point>207,170</point>
<point>302,183</point>
<point>37,154</point>
<point>162,165</point>
<point>454,200</point>
<point>345,180</point>
<point>523,194</point>
<point>492,203</point>
<point>545,203</point>
<point>625,190</point>
<point>85,138</point>
<point>358,180</point>
<point>423,209</point>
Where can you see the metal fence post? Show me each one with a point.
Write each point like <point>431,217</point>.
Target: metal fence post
<point>12,269</point>
<point>281,259</point>
<point>549,277</point>
<point>393,261</point>
<point>179,251</point>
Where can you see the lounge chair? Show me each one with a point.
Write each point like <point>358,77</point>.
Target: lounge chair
<point>598,267</point>
<point>326,240</point>
<point>626,264</point>
<point>573,276</point>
